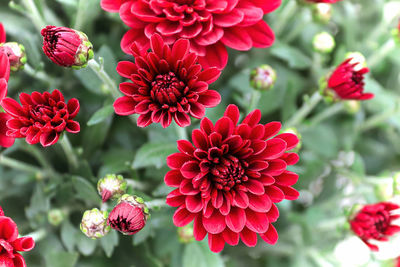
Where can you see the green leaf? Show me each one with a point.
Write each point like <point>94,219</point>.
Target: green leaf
<point>101,114</point>
<point>109,242</point>
<point>293,56</point>
<point>61,259</point>
<point>153,154</point>
<point>68,233</point>
<point>198,254</point>
<point>85,245</point>
<point>85,190</point>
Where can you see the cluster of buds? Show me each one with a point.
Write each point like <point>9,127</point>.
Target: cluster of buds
<point>263,78</point>
<point>111,187</point>
<point>67,47</point>
<point>94,223</point>
<point>323,43</point>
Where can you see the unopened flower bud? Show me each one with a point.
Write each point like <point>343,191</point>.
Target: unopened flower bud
<point>15,53</point>
<point>129,216</point>
<point>352,106</point>
<point>293,130</point>
<point>94,223</point>
<point>263,78</point>
<point>185,234</point>
<point>67,47</point>
<point>323,42</point>
<point>56,216</point>
<point>111,186</point>
<point>322,12</point>
<point>358,59</point>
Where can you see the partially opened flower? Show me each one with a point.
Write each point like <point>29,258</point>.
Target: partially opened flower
<point>167,84</point>
<point>41,117</point>
<point>67,47</point>
<point>10,244</point>
<point>209,25</point>
<point>230,177</point>
<point>375,223</point>
<point>347,82</point>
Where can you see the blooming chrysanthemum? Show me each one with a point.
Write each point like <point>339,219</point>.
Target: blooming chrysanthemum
<point>230,177</point>
<point>41,117</point>
<point>167,84</point>
<point>347,82</point>
<point>10,244</point>
<point>209,25</point>
<point>375,222</point>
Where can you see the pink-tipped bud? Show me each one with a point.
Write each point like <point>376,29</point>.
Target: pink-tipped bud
<point>15,53</point>
<point>111,186</point>
<point>67,47</point>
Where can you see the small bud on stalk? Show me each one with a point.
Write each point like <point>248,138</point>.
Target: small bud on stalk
<point>56,217</point>
<point>323,43</point>
<point>94,223</point>
<point>352,106</point>
<point>15,53</point>
<point>67,47</point>
<point>111,186</point>
<point>185,234</point>
<point>129,216</point>
<point>263,78</point>
<point>322,12</point>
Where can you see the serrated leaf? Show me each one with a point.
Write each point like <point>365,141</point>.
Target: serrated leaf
<point>153,154</point>
<point>198,254</point>
<point>101,114</point>
<point>85,190</point>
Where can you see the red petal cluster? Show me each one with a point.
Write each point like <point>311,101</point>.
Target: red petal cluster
<point>375,222</point>
<point>127,218</point>
<point>348,83</point>
<point>167,84</point>
<point>10,244</point>
<point>5,141</point>
<point>2,34</point>
<point>41,117</point>
<point>229,180</point>
<point>209,25</point>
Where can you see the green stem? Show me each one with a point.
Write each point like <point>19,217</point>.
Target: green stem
<point>307,107</point>
<point>105,78</point>
<point>327,113</point>
<point>19,165</point>
<point>156,203</point>
<point>381,53</point>
<point>285,16</point>
<point>181,132</point>
<point>69,152</point>
<point>34,14</point>
<point>378,119</point>
<point>80,15</point>
<point>40,75</point>
<point>39,156</point>
<point>255,98</point>
<point>38,235</point>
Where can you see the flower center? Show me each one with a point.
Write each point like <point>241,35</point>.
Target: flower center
<point>229,173</point>
<point>4,245</point>
<point>167,89</point>
<point>357,78</point>
<point>381,221</point>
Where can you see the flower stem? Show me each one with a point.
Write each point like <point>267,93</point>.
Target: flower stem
<point>327,113</point>
<point>40,75</point>
<point>105,78</point>
<point>156,203</point>
<point>34,151</point>
<point>19,165</point>
<point>34,14</point>
<point>80,14</point>
<point>308,106</point>
<point>38,235</point>
<point>381,53</point>
<point>181,132</point>
<point>285,16</point>
<point>255,98</point>
<point>378,119</point>
<point>69,152</point>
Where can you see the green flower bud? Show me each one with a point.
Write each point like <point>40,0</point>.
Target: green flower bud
<point>16,55</point>
<point>294,131</point>
<point>322,12</point>
<point>323,43</point>
<point>111,187</point>
<point>94,223</point>
<point>263,78</point>
<point>352,106</point>
<point>56,216</point>
<point>185,234</point>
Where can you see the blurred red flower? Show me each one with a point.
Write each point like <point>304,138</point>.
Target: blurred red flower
<point>375,222</point>
<point>324,1</point>
<point>348,83</point>
<point>209,25</point>
<point>230,179</point>
<point>10,243</point>
<point>167,84</point>
<point>41,117</point>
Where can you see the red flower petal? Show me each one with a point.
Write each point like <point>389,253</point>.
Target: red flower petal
<point>236,219</point>
<point>230,237</point>
<point>270,236</point>
<point>256,221</point>
<point>216,242</point>
<point>215,224</point>
<point>248,237</point>
<point>183,217</point>
<point>124,106</point>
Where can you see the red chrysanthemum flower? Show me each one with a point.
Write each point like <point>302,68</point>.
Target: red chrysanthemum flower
<point>209,25</point>
<point>5,141</point>
<point>129,216</point>
<point>10,244</point>
<point>375,222</point>
<point>42,117</point>
<point>167,84</point>
<point>348,83</point>
<point>66,47</point>
<point>230,179</point>
<point>2,34</point>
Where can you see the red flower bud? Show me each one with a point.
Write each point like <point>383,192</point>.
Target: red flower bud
<point>375,222</point>
<point>67,47</point>
<point>129,216</point>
